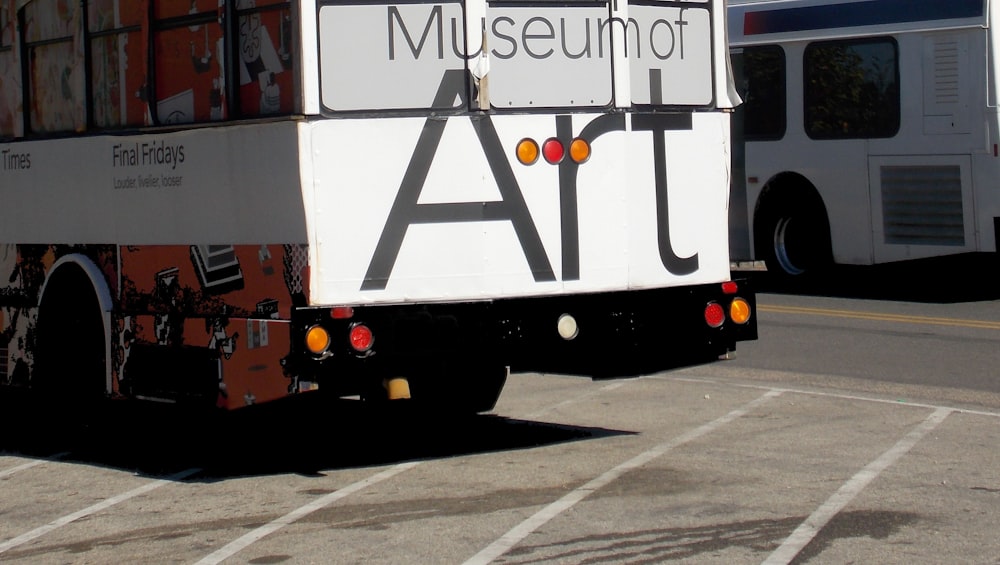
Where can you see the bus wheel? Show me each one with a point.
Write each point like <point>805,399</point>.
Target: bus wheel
<point>794,239</point>
<point>70,358</point>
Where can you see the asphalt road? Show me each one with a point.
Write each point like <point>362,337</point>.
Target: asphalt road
<point>932,323</point>
<point>860,428</point>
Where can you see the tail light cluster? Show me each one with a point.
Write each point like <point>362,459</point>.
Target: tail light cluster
<point>553,150</point>
<point>738,311</point>
<point>359,337</point>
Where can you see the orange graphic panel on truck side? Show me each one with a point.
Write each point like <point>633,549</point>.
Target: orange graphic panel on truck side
<point>233,301</point>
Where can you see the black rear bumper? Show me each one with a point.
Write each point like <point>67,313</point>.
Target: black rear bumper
<point>620,334</point>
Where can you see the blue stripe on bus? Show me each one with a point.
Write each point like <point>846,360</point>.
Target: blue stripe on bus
<point>873,12</point>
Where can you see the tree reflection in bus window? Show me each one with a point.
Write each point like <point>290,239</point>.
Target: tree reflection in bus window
<point>851,89</point>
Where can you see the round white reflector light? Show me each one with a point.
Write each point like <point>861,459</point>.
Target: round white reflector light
<point>568,329</point>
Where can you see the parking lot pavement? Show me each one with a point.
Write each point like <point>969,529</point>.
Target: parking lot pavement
<point>691,466</point>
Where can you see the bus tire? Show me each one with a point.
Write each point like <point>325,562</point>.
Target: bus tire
<point>793,239</point>
<point>70,357</point>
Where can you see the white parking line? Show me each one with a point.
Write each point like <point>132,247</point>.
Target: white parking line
<point>788,550</point>
<point>106,503</point>
<point>583,396</point>
<point>735,375</point>
<point>8,472</point>
<point>524,529</point>
<point>818,519</point>
<point>240,543</point>
<point>237,545</point>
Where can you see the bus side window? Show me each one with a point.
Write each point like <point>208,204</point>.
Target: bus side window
<point>189,58</point>
<point>851,89</point>
<point>52,36</point>
<point>118,70</point>
<point>763,92</point>
<point>10,73</point>
<point>264,61</point>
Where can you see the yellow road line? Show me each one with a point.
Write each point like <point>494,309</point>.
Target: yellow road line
<point>955,322</point>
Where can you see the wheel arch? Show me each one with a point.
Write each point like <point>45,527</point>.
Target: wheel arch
<point>98,283</point>
<point>102,292</point>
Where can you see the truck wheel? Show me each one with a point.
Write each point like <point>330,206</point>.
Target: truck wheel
<point>457,388</point>
<point>485,385</point>
<point>70,358</point>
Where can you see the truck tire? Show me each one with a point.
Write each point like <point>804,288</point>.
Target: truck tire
<point>70,358</point>
<point>488,383</point>
<point>457,387</point>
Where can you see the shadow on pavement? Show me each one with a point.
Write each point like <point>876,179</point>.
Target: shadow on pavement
<point>946,280</point>
<point>304,434</point>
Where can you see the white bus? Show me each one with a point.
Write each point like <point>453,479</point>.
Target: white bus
<point>222,202</point>
<point>871,131</point>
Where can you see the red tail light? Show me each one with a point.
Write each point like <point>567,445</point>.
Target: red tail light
<point>715,315</point>
<point>361,338</point>
<point>553,150</point>
<point>342,312</point>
